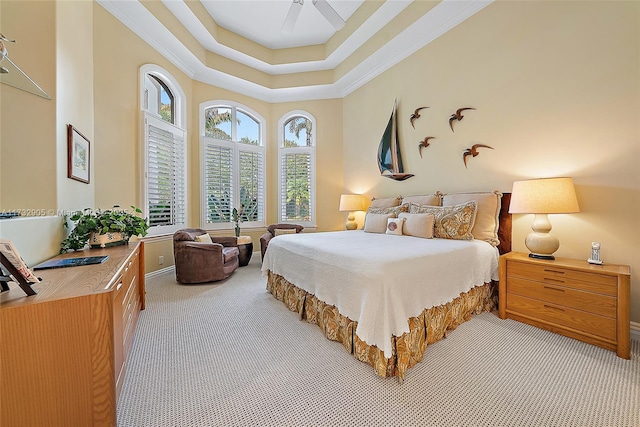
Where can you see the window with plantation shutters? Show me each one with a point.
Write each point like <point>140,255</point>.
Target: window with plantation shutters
<point>296,169</point>
<point>233,165</point>
<point>165,174</point>
<point>164,150</point>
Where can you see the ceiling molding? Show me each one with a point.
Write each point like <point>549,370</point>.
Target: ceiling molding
<point>437,21</point>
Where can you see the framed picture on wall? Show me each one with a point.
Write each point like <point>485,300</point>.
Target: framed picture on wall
<point>78,158</point>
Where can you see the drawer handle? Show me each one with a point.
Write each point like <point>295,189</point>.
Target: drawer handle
<point>554,271</point>
<point>554,308</point>
<point>554,289</point>
<point>549,279</point>
<point>118,286</point>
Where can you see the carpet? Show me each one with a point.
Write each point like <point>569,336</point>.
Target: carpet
<point>229,354</point>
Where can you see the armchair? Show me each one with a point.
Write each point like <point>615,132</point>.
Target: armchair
<point>201,262</point>
<point>271,233</point>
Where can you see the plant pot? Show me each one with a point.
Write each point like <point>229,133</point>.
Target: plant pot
<point>105,240</point>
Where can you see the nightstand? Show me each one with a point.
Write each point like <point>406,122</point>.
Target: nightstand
<point>569,297</point>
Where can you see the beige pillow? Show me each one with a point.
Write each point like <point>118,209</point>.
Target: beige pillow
<point>418,225</point>
<point>279,231</point>
<point>205,238</point>
<point>488,215</point>
<point>391,209</point>
<point>377,223</point>
<point>385,203</point>
<point>451,222</point>
<point>394,226</point>
<point>429,199</point>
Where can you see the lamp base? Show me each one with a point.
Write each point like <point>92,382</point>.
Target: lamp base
<point>539,256</point>
<point>351,222</point>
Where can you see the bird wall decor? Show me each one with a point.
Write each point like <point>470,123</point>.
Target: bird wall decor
<point>473,151</point>
<point>457,116</point>
<point>415,116</point>
<point>424,143</point>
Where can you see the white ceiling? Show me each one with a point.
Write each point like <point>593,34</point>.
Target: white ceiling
<point>261,21</point>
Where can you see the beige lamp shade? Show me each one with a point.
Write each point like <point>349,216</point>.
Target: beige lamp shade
<point>542,197</point>
<point>350,203</point>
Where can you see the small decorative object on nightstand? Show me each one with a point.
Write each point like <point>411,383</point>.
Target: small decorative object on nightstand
<point>595,254</point>
<point>569,297</point>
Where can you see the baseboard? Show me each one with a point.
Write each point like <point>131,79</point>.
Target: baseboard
<point>635,331</point>
<point>159,272</point>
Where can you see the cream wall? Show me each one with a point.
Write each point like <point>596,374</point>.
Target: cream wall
<point>28,151</point>
<point>557,90</point>
<point>55,49</point>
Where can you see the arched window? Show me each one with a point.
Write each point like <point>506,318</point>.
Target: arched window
<point>165,153</point>
<point>233,165</point>
<point>296,168</point>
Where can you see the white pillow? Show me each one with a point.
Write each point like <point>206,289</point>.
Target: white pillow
<point>377,223</point>
<point>418,225</point>
<point>205,238</point>
<point>394,226</point>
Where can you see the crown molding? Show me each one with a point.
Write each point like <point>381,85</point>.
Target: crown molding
<point>437,21</point>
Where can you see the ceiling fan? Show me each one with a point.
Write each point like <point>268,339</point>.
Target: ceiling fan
<point>323,7</point>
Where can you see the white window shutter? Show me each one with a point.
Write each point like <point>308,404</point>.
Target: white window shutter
<point>166,203</point>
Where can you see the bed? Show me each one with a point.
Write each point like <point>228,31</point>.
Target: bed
<point>385,297</point>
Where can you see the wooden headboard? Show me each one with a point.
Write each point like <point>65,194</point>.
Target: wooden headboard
<point>504,229</point>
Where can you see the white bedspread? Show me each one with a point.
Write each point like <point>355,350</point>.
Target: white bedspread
<point>381,280</point>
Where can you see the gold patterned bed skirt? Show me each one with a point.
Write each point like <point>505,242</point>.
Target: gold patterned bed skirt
<point>430,326</point>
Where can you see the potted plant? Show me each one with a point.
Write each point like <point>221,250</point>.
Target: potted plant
<point>237,219</point>
<point>103,228</point>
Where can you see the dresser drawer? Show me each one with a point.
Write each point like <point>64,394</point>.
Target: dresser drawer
<point>594,324</point>
<point>550,274</point>
<point>590,302</point>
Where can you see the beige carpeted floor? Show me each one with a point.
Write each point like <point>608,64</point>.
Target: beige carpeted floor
<point>229,354</point>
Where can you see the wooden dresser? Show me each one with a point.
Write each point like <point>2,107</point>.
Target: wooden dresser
<point>64,350</point>
<point>569,297</point>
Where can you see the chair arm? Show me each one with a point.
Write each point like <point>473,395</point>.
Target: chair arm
<point>213,247</point>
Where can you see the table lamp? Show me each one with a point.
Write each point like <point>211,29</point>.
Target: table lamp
<point>541,197</point>
<point>350,203</point>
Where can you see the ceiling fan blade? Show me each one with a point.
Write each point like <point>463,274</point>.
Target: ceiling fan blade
<point>292,16</point>
<point>329,13</point>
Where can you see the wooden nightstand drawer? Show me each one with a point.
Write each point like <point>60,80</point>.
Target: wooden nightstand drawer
<point>565,277</point>
<point>603,305</point>
<point>567,317</point>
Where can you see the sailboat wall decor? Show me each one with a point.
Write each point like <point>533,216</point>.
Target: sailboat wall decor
<point>389,157</point>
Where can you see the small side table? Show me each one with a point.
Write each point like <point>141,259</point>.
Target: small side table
<point>245,246</point>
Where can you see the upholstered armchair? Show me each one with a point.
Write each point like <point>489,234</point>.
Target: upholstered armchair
<point>201,259</point>
<point>275,229</point>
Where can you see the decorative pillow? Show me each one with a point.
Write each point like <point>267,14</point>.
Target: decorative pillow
<point>377,223</point>
<point>279,231</point>
<point>394,226</point>
<point>451,222</point>
<point>395,210</point>
<point>391,209</point>
<point>388,202</point>
<point>488,215</point>
<point>205,238</point>
<point>418,225</point>
<point>434,199</point>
